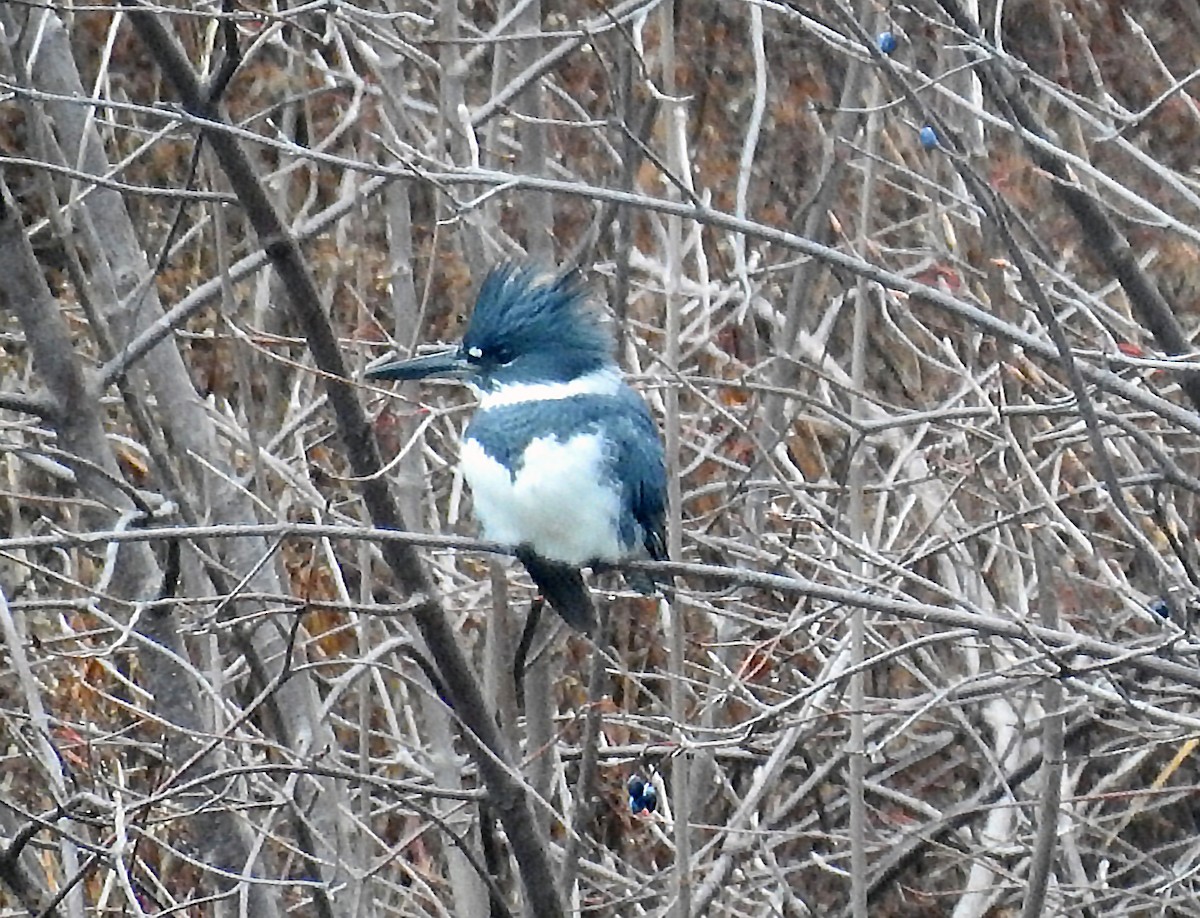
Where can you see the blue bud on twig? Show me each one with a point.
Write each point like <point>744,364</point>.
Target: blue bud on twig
<point>929,137</point>
<point>886,42</point>
<point>643,797</point>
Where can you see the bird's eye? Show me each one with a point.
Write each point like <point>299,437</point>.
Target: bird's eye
<point>502,355</point>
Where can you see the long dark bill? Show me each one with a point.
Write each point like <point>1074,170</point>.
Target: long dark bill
<point>447,363</point>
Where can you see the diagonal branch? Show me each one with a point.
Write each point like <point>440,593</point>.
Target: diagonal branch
<point>40,405</point>
<point>505,790</point>
<point>1108,245</point>
<point>76,421</point>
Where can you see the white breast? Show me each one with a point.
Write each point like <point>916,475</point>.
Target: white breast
<point>561,502</point>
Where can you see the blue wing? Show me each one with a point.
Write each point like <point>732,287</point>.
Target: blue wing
<point>639,464</point>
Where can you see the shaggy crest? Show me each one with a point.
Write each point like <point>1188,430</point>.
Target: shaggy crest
<point>522,317</point>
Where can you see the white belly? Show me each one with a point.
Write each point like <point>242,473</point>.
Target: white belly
<point>561,502</point>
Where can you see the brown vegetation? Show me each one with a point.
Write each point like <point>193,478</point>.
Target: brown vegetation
<point>929,409</point>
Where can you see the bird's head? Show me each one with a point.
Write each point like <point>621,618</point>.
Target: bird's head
<point>527,328</point>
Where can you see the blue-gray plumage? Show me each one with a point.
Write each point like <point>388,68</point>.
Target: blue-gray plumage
<point>563,458</point>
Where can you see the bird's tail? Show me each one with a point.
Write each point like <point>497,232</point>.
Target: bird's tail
<point>562,586</point>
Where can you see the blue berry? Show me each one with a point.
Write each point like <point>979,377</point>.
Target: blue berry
<point>929,137</point>
<point>886,42</point>
<point>643,797</point>
<point>650,799</point>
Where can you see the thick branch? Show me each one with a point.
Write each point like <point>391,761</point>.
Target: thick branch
<point>506,791</point>
<point>37,405</point>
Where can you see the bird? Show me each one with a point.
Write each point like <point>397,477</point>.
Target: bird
<point>563,458</point>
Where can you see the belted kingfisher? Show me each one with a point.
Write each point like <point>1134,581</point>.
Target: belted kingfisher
<point>563,458</point>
